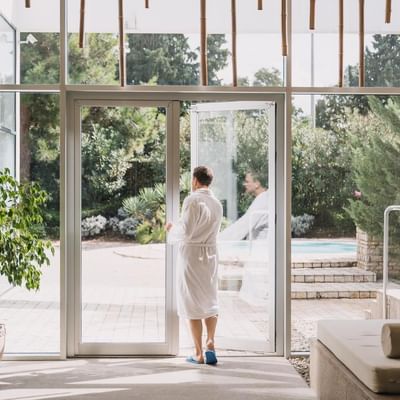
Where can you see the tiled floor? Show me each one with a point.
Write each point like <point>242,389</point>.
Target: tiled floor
<point>123,299</point>
<point>234,378</point>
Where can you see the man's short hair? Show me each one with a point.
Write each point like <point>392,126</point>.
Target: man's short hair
<point>260,177</point>
<point>203,174</point>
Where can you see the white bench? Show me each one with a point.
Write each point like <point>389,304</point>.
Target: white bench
<point>347,362</point>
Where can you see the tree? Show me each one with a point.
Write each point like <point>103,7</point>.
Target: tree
<point>263,77</point>
<point>266,77</point>
<point>321,159</point>
<point>125,134</point>
<point>40,112</point>
<point>333,111</point>
<point>377,168</point>
<point>252,139</point>
<point>39,132</point>
<point>382,68</point>
<point>169,59</point>
<point>382,62</point>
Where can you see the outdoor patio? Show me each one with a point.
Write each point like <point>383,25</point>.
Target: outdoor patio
<point>131,309</point>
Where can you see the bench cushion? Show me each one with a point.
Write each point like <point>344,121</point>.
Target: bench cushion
<point>357,344</point>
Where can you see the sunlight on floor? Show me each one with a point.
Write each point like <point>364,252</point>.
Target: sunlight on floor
<point>153,378</point>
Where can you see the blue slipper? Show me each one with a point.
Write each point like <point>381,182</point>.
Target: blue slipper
<point>192,360</point>
<point>211,357</point>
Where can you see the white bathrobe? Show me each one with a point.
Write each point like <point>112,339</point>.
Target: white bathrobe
<point>197,269</point>
<point>253,224</point>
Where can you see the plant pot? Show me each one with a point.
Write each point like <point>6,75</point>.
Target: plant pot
<point>2,339</point>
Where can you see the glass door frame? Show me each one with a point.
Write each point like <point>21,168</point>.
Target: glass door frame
<point>71,205</point>
<point>250,344</point>
<point>75,346</point>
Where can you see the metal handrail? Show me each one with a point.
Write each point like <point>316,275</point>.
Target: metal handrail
<point>386,253</point>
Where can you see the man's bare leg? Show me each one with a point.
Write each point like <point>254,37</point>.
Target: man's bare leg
<point>196,328</point>
<point>211,325</point>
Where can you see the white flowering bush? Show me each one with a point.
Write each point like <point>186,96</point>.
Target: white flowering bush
<point>113,224</point>
<point>302,224</point>
<point>128,226</point>
<point>122,214</point>
<point>93,226</point>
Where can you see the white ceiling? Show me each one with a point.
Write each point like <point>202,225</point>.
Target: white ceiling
<point>182,16</point>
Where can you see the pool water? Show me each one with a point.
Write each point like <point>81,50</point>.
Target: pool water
<point>323,247</point>
<point>298,247</point>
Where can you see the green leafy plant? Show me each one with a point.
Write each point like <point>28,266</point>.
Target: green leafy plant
<point>22,252</point>
<point>148,208</point>
<point>134,206</point>
<point>143,233</point>
<point>185,184</point>
<point>376,168</point>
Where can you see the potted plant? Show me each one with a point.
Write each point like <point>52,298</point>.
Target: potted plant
<point>22,251</point>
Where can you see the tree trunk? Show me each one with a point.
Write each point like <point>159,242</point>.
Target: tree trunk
<point>25,155</point>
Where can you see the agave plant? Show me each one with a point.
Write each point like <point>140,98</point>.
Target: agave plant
<point>148,208</point>
<point>134,207</point>
<point>160,191</point>
<point>150,197</point>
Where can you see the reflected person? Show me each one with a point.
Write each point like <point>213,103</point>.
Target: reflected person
<point>253,224</point>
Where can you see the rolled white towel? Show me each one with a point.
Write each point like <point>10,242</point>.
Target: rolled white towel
<point>390,339</point>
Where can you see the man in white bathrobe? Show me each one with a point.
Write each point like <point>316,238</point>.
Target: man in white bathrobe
<point>197,269</point>
<point>253,224</point>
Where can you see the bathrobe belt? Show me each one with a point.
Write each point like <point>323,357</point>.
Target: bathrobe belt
<point>196,244</point>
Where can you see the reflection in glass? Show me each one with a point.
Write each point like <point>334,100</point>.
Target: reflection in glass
<point>7,151</point>
<point>7,51</point>
<point>233,138</point>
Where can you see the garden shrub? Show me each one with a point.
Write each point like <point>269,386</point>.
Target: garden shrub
<point>302,224</point>
<point>93,226</point>
<point>148,209</point>
<point>113,224</point>
<point>143,233</point>
<point>128,226</point>
<point>321,175</point>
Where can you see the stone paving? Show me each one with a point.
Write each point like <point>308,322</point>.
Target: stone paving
<point>354,290</point>
<point>306,314</point>
<point>336,275</point>
<point>132,308</point>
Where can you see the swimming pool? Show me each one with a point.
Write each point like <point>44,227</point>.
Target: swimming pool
<point>302,246</point>
<point>323,247</point>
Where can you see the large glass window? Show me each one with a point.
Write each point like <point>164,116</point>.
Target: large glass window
<point>163,48</point>
<point>7,100</point>
<point>345,173</point>
<point>38,41</point>
<point>316,52</point>
<point>7,151</point>
<point>32,318</point>
<point>7,51</point>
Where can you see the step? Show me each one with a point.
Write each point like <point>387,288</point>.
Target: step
<point>351,290</point>
<point>324,264</point>
<point>333,275</point>
<point>230,282</point>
